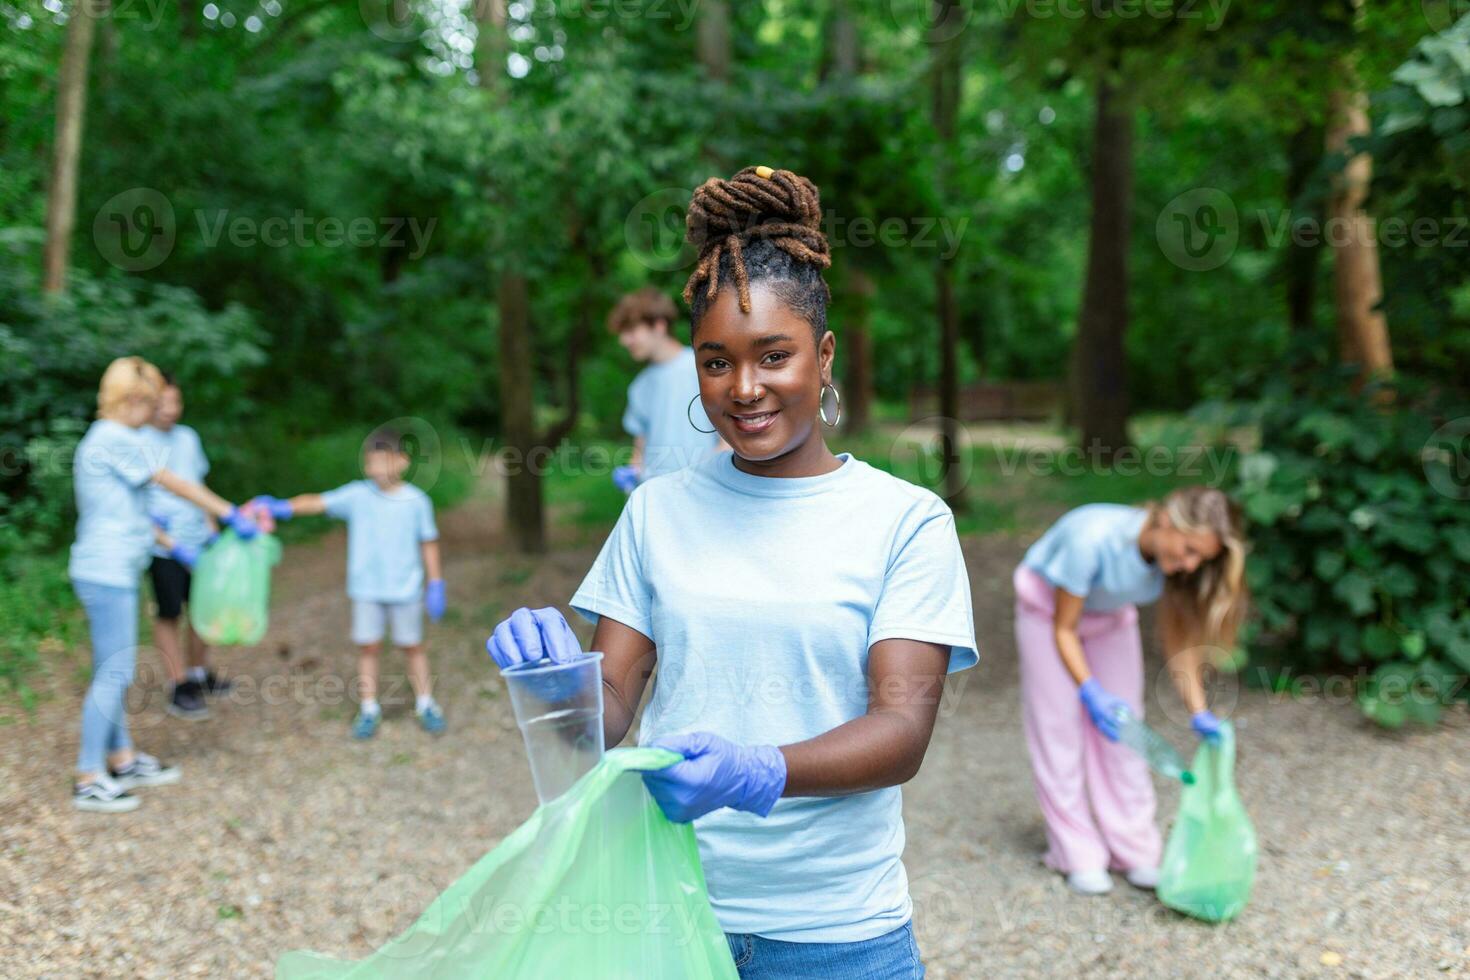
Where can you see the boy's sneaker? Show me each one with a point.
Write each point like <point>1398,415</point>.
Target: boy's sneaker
<point>102,795</point>
<point>187,702</point>
<point>145,770</point>
<point>215,685</point>
<point>432,719</point>
<point>366,725</point>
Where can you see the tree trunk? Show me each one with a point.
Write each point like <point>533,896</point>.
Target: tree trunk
<point>71,106</point>
<point>1304,154</point>
<point>1362,329</point>
<point>1100,389</point>
<point>712,40</point>
<point>523,511</point>
<point>857,399</point>
<point>944,42</point>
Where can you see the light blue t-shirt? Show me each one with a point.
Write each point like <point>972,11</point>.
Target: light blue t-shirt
<point>1093,552</point>
<point>384,531</point>
<point>763,596</point>
<point>178,451</point>
<point>111,472</point>
<point>659,410</point>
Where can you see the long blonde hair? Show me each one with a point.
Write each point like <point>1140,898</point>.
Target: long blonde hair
<point>1208,605</point>
<point>127,377</point>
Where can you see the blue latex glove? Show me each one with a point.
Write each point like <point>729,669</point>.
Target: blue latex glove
<point>1103,707</point>
<point>185,555</point>
<point>1205,725</point>
<point>625,478</point>
<point>240,524</point>
<point>434,600</point>
<point>278,508</point>
<point>159,521</point>
<point>716,772</point>
<point>532,635</point>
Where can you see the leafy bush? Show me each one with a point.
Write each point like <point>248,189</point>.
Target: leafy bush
<point>1361,539</point>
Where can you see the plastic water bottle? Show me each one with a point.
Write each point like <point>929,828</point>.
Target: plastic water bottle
<point>1162,757</point>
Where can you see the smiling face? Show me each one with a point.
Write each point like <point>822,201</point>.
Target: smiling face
<point>761,374</point>
<point>1182,552</point>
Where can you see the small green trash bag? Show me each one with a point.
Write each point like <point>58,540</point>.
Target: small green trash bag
<point>1210,861</point>
<point>596,884</point>
<point>230,598</point>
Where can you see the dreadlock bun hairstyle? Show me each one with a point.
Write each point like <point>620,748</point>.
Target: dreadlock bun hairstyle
<point>764,227</point>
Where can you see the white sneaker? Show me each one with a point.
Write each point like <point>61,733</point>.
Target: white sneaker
<point>145,770</point>
<point>102,795</point>
<point>1090,882</point>
<point>1145,878</point>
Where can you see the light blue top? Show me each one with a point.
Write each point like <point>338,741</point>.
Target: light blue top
<point>384,531</point>
<point>111,472</point>
<point>659,411</point>
<point>1093,552</point>
<point>763,596</point>
<point>179,451</point>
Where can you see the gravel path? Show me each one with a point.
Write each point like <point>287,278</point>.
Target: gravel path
<point>286,834</point>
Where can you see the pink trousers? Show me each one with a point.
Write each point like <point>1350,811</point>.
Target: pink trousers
<point>1096,796</point>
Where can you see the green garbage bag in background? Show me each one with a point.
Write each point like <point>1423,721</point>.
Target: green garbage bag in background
<point>1210,860</point>
<point>596,884</point>
<point>230,598</point>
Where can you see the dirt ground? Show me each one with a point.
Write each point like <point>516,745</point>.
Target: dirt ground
<point>286,834</point>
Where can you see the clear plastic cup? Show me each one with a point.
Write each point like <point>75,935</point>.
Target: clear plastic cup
<point>558,707</point>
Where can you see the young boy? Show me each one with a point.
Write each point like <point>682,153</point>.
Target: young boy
<point>392,547</point>
<point>188,529</point>
<point>669,428</point>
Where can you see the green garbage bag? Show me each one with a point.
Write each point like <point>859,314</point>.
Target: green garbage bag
<point>1210,860</point>
<point>597,883</point>
<point>230,598</point>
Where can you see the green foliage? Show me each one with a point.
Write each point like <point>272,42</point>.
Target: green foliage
<point>1361,538</point>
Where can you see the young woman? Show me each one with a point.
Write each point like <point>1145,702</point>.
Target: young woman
<point>1077,593</point>
<point>802,609</point>
<point>112,470</point>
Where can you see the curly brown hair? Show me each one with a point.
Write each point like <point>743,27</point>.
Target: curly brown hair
<point>646,305</point>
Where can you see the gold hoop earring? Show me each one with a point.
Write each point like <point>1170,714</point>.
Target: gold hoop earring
<point>689,414</point>
<point>822,407</point>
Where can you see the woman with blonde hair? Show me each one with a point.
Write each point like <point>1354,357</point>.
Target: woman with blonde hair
<point>1077,593</point>
<point>112,470</point>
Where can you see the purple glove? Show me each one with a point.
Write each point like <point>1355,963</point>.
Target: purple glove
<point>185,555</point>
<point>716,772</point>
<point>1205,725</point>
<point>434,600</point>
<point>1103,707</point>
<point>276,507</point>
<point>542,636</point>
<point>159,521</point>
<point>625,478</point>
<point>240,524</point>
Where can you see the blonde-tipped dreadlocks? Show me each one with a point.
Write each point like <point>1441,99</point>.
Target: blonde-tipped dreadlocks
<point>761,225</point>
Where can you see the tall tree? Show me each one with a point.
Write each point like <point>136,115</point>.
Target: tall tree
<point>944,40</point>
<point>71,107</point>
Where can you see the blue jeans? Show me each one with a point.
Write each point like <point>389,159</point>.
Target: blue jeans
<point>891,956</point>
<point>112,615</point>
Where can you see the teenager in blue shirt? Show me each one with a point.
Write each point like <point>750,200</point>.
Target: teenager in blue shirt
<point>669,430</point>
<point>802,609</point>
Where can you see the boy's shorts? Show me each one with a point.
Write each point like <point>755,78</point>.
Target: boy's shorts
<point>171,581</point>
<point>371,619</point>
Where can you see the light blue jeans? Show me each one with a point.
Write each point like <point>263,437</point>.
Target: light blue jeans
<point>112,615</point>
<point>891,956</point>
